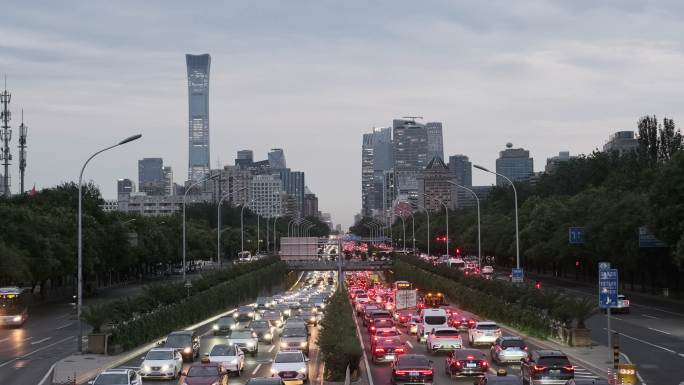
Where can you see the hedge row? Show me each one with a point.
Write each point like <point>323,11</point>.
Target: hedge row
<point>255,279</point>
<point>337,339</point>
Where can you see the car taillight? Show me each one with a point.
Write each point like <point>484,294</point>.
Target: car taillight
<point>379,350</point>
<point>458,363</point>
<point>538,368</point>
<point>372,328</point>
<point>525,348</point>
<point>569,368</point>
<point>484,363</point>
<point>399,350</point>
<point>626,302</point>
<point>426,372</point>
<point>401,372</point>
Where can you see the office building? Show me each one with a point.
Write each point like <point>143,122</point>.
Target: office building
<point>621,141</point>
<point>150,170</point>
<point>462,169</point>
<point>125,186</point>
<point>198,115</point>
<point>276,159</point>
<point>434,186</point>
<point>376,157</point>
<point>158,205</point>
<point>553,162</point>
<point>168,181</point>
<point>110,205</point>
<point>366,172</point>
<point>296,188</point>
<point>245,158</point>
<point>231,180</point>
<point>514,163</point>
<point>389,192</point>
<point>410,150</point>
<point>265,198</point>
<point>310,205</point>
<point>435,141</point>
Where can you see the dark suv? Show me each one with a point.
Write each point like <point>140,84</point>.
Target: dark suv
<point>546,367</point>
<point>412,369</point>
<point>185,341</point>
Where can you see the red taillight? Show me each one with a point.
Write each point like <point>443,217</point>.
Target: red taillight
<point>427,372</point>
<point>399,350</point>
<point>484,363</point>
<point>538,368</point>
<point>372,328</point>
<point>569,368</point>
<point>379,350</point>
<point>470,358</point>
<point>401,372</point>
<point>525,348</point>
<point>458,363</point>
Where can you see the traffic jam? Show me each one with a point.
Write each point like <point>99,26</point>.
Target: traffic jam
<point>269,342</point>
<point>416,337</point>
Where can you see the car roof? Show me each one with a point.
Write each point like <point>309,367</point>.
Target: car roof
<point>408,359</point>
<point>162,350</point>
<point>550,353</point>
<point>115,371</point>
<point>469,352</point>
<point>511,338</point>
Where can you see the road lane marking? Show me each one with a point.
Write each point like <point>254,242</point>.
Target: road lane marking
<point>660,331</point>
<point>650,316</point>
<point>66,325</point>
<point>36,351</point>
<point>271,348</point>
<point>45,377</point>
<point>40,341</point>
<point>256,369</point>
<point>644,342</point>
<point>409,344</point>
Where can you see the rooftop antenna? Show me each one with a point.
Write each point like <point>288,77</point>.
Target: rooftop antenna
<point>23,130</point>
<point>5,137</point>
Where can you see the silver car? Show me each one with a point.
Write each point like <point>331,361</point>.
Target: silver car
<point>294,338</point>
<point>508,349</point>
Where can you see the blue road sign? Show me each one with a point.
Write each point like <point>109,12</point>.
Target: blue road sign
<point>517,275</point>
<point>648,241</point>
<point>608,288</point>
<point>576,235</point>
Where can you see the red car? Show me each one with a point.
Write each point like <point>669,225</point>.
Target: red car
<point>387,349</point>
<point>205,373</point>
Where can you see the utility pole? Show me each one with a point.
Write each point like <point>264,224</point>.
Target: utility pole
<point>23,130</point>
<point>5,136</point>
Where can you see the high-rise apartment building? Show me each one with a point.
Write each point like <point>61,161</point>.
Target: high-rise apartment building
<point>435,141</point>
<point>410,151</point>
<point>276,159</point>
<point>462,169</point>
<point>434,186</point>
<point>265,198</point>
<point>621,141</point>
<point>198,115</point>
<point>515,163</point>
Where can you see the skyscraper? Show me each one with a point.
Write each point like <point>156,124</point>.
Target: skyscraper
<point>515,163</point>
<point>435,143</point>
<point>245,158</point>
<point>434,183</point>
<point>376,158</point>
<point>462,169</point>
<point>276,159</point>
<point>150,170</point>
<point>410,150</point>
<point>198,115</point>
<point>168,181</point>
<point>266,195</point>
<point>366,172</point>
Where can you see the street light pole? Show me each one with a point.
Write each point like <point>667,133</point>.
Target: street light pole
<point>242,225</point>
<point>185,196</point>
<point>515,196</point>
<point>218,225</point>
<point>477,200</point>
<point>427,212</point>
<point>446,210</point>
<point>79,293</point>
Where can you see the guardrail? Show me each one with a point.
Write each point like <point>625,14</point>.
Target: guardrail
<point>311,265</point>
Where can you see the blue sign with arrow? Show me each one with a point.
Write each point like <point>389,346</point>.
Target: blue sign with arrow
<point>576,235</point>
<point>608,288</point>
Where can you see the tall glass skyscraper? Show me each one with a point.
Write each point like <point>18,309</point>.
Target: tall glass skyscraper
<point>515,163</point>
<point>435,141</point>
<point>410,144</point>
<point>198,115</point>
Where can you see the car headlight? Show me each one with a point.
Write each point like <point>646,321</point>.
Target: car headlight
<point>235,315</point>
<point>322,306</point>
<point>250,314</point>
<point>233,327</point>
<point>215,327</point>
<point>274,371</point>
<point>146,368</point>
<point>268,336</point>
<point>165,367</point>
<point>302,370</point>
<point>283,344</point>
<point>250,344</point>
<point>17,318</point>
<point>187,350</point>
<point>312,319</point>
<point>303,344</point>
<point>234,361</point>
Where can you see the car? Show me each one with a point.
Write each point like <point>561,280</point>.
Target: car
<point>224,326</point>
<point>466,363</point>
<point>161,363</point>
<point>244,313</point>
<point>273,317</point>
<point>246,340</point>
<point>412,369</point>
<point>265,381</point>
<point>117,377</point>
<point>381,324</point>
<point>484,333</point>
<point>230,357</point>
<point>295,337</point>
<point>375,314</point>
<point>500,378</point>
<point>205,373</point>
<point>507,349</point>
<point>443,339</point>
<point>263,304</point>
<point>413,325</point>
<point>587,381</point>
<point>462,322</point>
<point>403,317</point>
<point>546,367</point>
<point>368,308</point>
<point>622,305</point>
<point>283,308</point>
<point>387,349</point>
<point>309,316</point>
<point>291,366</point>
<point>487,270</point>
<point>263,330</point>
<point>431,319</point>
<point>294,307</point>
<point>186,341</point>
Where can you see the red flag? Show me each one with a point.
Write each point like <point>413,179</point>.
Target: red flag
<point>34,191</point>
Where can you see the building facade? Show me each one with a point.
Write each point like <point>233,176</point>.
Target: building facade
<point>434,186</point>
<point>265,198</point>
<point>310,205</point>
<point>435,141</point>
<point>621,141</point>
<point>514,163</point>
<point>464,199</point>
<point>198,115</point>
<point>410,150</point>
<point>168,181</point>
<point>276,159</point>
<point>553,162</point>
<point>158,205</point>
<point>462,169</point>
<point>231,180</point>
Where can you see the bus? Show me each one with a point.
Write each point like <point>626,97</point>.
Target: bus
<point>244,256</point>
<point>13,307</point>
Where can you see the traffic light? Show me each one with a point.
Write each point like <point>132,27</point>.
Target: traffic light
<point>577,264</point>
<point>458,251</point>
<point>537,285</point>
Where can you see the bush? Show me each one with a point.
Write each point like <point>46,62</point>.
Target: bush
<point>337,339</point>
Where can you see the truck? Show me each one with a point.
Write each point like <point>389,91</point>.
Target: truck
<point>404,296</point>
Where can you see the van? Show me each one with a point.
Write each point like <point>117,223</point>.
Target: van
<point>431,319</point>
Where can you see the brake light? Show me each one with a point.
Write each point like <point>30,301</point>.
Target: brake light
<point>483,363</point>
<point>525,348</point>
<point>379,350</point>
<point>538,368</point>
<point>626,302</point>
<point>569,368</point>
<point>428,372</point>
<point>372,328</point>
<point>470,358</point>
<point>399,350</point>
<point>458,363</point>
<point>400,372</point>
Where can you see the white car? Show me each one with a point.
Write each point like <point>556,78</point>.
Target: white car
<point>117,377</point>
<point>291,365</point>
<point>444,339</point>
<point>487,270</point>
<point>246,340</point>
<point>161,363</point>
<point>484,333</point>
<point>230,357</point>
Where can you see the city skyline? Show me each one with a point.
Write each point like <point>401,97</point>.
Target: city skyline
<point>563,90</point>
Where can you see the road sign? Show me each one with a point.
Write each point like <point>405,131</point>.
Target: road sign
<point>627,374</point>
<point>604,265</point>
<point>576,235</point>
<point>517,275</point>
<point>648,240</point>
<point>608,288</point>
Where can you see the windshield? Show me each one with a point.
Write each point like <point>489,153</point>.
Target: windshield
<point>112,379</point>
<point>443,333</point>
<point>241,334</point>
<point>512,344</point>
<point>178,341</point>
<point>244,309</point>
<point>553,361</point>
<point>203,371</point>
<point>222,350</point>
<point>10,303</point>
<point>259,324</point>
<point>225,321</point>
<point>435,320</point>
<point>413,361</point>
<point>487,327</point>
<point>293,333</point>
<point>289,357</point>
<point>159,355</point>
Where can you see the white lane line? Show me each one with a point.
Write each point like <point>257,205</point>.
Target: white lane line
<point>37,350</point>
<point>271,348</point>
<point>4,339</point>
<point>617,318</point>
<point>363,349</point>
<point>660,331</point>
<point>66,325</point>
<point>409,344</point>
<point>40,341</point>
<point>644,342</point>
<point>650,316</point>
<point>256,369</point>
<point>45,377</point>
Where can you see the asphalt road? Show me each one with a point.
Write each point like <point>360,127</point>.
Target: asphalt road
<point>651,336</point>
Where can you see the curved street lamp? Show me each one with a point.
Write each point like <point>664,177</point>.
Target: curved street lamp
<point>79,293</point>
<point>515,196</point>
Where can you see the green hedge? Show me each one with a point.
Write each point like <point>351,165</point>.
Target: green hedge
<point>530,310</point>
<point>337,339</point>
<point>211,295</point>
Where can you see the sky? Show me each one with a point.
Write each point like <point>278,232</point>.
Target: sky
<point>312,76</point>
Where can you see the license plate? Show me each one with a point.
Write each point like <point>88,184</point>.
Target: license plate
<point>470,365</point>
<point>554,371</point>
<point>389,356</point>
<point>413,374</point>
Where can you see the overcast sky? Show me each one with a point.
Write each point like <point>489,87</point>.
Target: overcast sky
<point>312,76</point>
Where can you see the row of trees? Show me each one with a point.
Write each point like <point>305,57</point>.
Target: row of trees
<point>609,194</point>
<point>38,238</point>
